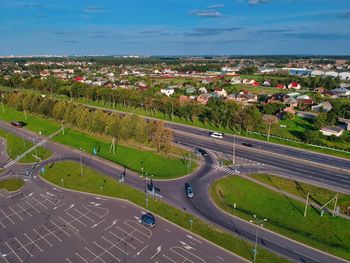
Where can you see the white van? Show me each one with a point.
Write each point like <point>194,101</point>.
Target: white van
<point>216,135</point>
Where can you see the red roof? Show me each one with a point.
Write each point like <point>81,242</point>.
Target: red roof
<point>78,78</point>
<point>294,84</point>
<point>256,83</point>
<point>280,86</point>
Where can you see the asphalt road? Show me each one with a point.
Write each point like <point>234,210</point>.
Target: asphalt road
<point>44,224</point>
<point>173,192</point>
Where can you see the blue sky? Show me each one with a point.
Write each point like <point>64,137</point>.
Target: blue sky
<point>174,27</point>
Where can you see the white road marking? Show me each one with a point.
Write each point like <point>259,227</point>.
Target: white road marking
<point>82,258</point>
<point>31,241</point>
<point>96,257</point>
<point>191,237</point>
<point>113,223</point>
<point>115,245</point>
<point>95,225</point>
<point>106,251</point>
<point>13,252</point>
<point>220,258</point>
<point>42,237</point>
<point>157,252</point>
<point>23,247</point>
<point>139,252</point>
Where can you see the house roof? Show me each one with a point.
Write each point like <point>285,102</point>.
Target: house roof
<point>332,129</point>
<point>294,84</point>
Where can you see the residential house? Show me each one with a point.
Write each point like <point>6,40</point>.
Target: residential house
<point>183,99</point>
<point>266,83</point>
<point>167,91</point>
<point>79,79</point>
<point>289,109</point>
<point>331,74</point>
<point>202,90</point>
<point>346,123</point>
<point>331,130</point>
<point>292,102</point>
<point>340,92</point>
<point>256,84</point>
<point>190,89</point>
<point>203,99</point>
<point>235,81</point>
<point>281,86</point>
<point>315,73</point>
<point>324,107</point>
<point>320,90</point>
<point>220,92</point>
<point>294,85</point>
<point>344,75</point>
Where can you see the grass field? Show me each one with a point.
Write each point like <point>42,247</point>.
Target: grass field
<point>285,216</point>
<point>16,146</point>
<point>11,184</point>
<point>92,181</point>
<point>162,167</point>
<point>317,194</point>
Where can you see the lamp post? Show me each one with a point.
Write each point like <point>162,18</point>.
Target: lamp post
<point>258,224</point>
<point>234,150</point>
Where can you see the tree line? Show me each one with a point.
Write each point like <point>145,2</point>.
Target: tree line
<point>120,127</point>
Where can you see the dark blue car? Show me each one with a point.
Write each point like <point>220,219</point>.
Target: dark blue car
<point>148,220</point>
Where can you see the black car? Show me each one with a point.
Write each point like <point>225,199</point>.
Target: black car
<point>202,152</point>
<point>247,144</point>
<point>148,220</point>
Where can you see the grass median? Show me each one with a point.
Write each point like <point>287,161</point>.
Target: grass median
<point>285,215</point>
<point>317,194</point>
<point>11,184</point>
<point>162,167</point>
<point>96,183</point>
<point>17,146</point>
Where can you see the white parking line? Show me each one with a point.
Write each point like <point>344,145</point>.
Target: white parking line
<point>69,224</point>
<point>48,200</point>
<point>106,251</point>
<point>122,239</point>
<point>84,215</point>
<point>52,233</point>
<point>35,244</point>
<point>170,258</point>
<point>8,217</point>
<point>24,210</point>
<point>28,203</point>
<point>13,252</point>
<point>130,234</point>
<point>113,223</point>
<point>39,203</point>
<point>4,257</point>
<point>67,260</point>
<point>220,258</point>
<point>83,259</point>
<point>115,245</point>
<point>23,247</point>
<point>60,228</point>
<point>96,256</point>
<point>139,252</point>
<point>14,212</point>
<point>76,219</point>
<point>95,225</point>
<point>42,237</point>
<point>2,224</point>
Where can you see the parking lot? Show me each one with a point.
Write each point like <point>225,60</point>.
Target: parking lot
<point>50,225</point>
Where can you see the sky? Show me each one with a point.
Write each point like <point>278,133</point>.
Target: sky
<point>174,27</point>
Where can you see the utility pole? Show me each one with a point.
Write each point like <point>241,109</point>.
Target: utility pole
<point>25,114</point>
<point>335,204</point>
<point>306,203</point>
<point>268,133</point>
<point>234,150</point>
<point>3,108</point>
<point>146,190</point>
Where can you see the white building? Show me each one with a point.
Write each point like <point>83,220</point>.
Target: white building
<point>344,75</point>
<point>330,130</point>
<point>315,73</point>
<point>331,74</point>
<point>168,91</point>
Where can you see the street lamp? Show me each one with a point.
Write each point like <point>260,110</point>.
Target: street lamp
<point>258,224</point>
<point>146,188</point>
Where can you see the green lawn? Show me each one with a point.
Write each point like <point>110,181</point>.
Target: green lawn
<point>162,167</point>
<point>11,184</point>
<point>317,194</point>
<point>285,216</point>
<point>16,146</point>
<point>92,181</point>
<point>295,128</point>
